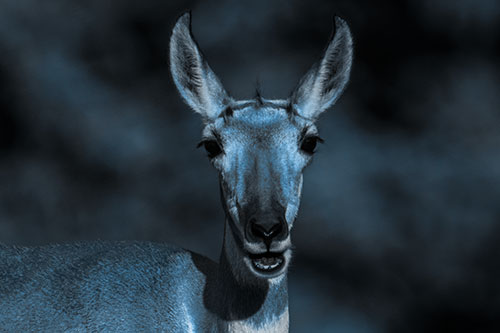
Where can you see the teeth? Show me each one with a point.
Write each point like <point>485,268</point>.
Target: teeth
<point>267,267</point>
<point>268,263</point>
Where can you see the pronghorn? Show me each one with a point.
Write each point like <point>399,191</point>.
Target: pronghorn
<point>260,148</point>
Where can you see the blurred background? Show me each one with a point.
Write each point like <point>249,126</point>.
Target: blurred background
<point>399,226</point>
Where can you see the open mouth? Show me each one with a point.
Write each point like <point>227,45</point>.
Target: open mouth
<point>268,262</point>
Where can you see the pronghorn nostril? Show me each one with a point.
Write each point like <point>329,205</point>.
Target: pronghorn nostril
<point>258,230</point>
<point>266,231</point>
<point>276,229</point>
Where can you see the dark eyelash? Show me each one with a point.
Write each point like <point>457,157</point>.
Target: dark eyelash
<point>303,135</point>
<point>201,143</point>
<point>320,139</point>
<point>309,143</point>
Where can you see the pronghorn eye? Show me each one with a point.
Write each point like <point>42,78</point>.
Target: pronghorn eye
<point>212,147</point>
<point>309,143</point>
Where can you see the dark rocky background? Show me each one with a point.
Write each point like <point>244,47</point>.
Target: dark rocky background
<point>399,227</point>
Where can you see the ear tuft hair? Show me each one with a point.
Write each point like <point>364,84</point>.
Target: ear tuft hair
<point>196,82</point>
<point>324,83</point>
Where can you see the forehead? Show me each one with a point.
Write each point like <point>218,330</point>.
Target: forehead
<point>256,119</point>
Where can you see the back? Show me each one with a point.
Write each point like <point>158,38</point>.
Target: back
<point>103,286</point>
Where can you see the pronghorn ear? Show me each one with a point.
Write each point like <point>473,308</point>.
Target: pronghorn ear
<point>323,84</point>
<point>196,82</point>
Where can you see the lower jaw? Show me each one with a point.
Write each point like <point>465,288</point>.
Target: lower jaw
<point>267,265</point>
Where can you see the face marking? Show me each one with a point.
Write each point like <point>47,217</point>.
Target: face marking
<point>261,157</point>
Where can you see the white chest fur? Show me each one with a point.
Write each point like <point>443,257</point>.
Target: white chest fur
<point>273,325</point>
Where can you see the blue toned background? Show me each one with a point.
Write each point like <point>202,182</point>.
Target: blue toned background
<point>399,229</point>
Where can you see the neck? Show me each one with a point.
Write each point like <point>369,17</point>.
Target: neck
<point>241,299</point>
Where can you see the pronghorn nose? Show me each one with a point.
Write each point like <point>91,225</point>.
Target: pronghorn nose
<point>267,230</point>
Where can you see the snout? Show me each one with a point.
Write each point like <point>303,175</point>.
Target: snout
<point>267,243</point>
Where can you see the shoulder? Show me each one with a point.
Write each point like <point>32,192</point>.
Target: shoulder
<point>83,258</point>
<point>111,252</point>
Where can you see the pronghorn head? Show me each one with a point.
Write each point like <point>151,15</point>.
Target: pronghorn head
<point>260,147</point>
